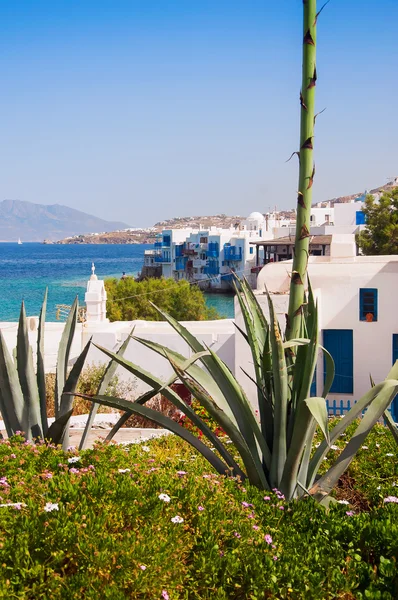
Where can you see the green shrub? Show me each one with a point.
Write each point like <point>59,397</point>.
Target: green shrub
<point>89,381</point>
<point>183,301</point>
<point>111,536</point>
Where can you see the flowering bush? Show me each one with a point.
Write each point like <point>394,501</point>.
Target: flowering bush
<point>153,522</point>
<point>204,415</point>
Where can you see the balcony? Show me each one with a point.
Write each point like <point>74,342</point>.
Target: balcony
<point>180,264</point>
<point>198,263</point>
<point>213,250</point>
<point>211,270</point>
<point>158,245</point>
<point>158,258</point>
<point>188,251</point>
<point>232,253</point>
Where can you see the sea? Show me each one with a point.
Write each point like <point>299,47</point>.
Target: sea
<point>27,269</point>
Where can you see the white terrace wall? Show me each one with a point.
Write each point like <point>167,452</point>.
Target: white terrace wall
<point>218,335</point>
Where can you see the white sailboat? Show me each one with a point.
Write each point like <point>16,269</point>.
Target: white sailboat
<point>19,242</point>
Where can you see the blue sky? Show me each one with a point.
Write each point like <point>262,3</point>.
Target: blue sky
<point>144,110</point>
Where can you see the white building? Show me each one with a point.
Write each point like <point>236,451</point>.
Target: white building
<point>358,319</point>
<point>208,256</point>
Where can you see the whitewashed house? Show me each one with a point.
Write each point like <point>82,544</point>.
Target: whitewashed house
<point>358,319</point>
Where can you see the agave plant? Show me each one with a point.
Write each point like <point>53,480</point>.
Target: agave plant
<point>23,404</point>
<point>275,448</point>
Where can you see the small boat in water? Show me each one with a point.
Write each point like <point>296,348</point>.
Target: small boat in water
<point>19,242</point>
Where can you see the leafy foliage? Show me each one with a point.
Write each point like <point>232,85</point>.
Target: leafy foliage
<point>89,382</point>
<point>23,393</point>
<point>183,301</point>
<point>108,534</point>
<point>381,233</point>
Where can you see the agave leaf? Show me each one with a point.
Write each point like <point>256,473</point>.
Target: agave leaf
<point>253,338</point>
<point>243,333</point>
<point>253,466</point>
<point>27,379</point>
<point>329,371</point>
<point>259,321</point>
<point>280,382</point>
<point>165,422</point>
<point>69,390</point>
<point>375,410</point>
<point>191,340</point>
<point>296,342</point>
<point>226,382</point>
<point>63,355</point>
<point>40,370</point>
<point>354,412</point>
<point>158,385</point>
<point>242,410</point>
<point>103,386</point>
<point>301,419</point>
<point>317,407</point>
<point>391,425</point>
<point>303,471</point>
<point>56,431</point>
<point>12,401</point>
<point>196,371</point>
<point>126,415</point>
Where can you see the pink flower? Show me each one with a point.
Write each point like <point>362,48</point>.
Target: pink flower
<point>267,498</point>
<point>275,557</point>
<point>237,535</point>
<point>200,508</point>
<point>13,456</point>
<point>393,499</point>
<point>47,475</point>
<point>181,473</point>
<point>73,470</point>
<point>281,507</point>
<point>255,527</point>
<point>143,567</point>
<point>350,513</point>
<point>268,538</point>
<point>165,595</point>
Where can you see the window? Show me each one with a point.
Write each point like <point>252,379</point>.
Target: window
<point>251,250</point>
<point>339,342</point>
<point>368,304</point>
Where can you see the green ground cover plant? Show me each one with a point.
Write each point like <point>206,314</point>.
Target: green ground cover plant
<point>153,520</point>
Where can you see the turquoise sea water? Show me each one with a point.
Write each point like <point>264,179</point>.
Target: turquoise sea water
<point>26,270</point>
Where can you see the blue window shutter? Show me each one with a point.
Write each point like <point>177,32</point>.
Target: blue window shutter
<point>251,250</point>
<point>339,342</point>
<point>368,301</point>
<point>360,218</point>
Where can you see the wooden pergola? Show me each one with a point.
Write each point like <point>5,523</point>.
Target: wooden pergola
<point>283,249</point>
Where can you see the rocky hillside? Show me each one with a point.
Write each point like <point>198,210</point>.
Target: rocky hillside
<point>36,222</point>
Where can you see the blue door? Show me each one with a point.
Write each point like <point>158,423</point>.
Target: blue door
<point>394,405</point>
<point>339,342</point>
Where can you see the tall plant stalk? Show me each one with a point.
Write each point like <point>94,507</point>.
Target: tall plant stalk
<point>307,172</point>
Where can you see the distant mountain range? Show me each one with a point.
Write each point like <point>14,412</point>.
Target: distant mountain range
<point>37,222</point>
